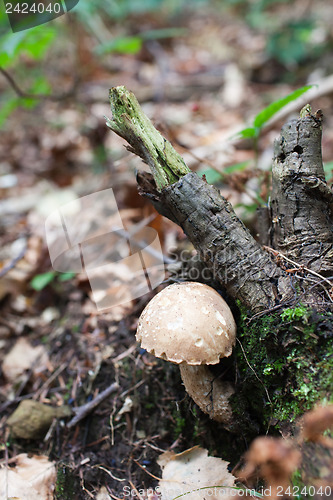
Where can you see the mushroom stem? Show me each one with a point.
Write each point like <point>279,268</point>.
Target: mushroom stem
<point>210,393</point>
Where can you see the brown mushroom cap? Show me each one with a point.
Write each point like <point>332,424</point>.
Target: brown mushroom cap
<point>187,323</point>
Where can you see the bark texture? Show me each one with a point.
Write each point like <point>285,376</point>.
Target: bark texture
<point>302,223</point>
<point>227,247</point>
<point>129,121</point>
<point>301,218</point>
<point>282,363</point>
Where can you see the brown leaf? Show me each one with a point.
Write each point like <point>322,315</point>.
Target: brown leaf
<point>272,459</point>
<point>194,471</point>
<point>23,356</point>
<point>315,422</point>
<point>31,479</point>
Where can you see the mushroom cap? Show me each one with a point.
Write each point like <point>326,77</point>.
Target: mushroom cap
<point>187,323</point>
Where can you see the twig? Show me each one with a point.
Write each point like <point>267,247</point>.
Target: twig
<point>82,411</point>
<point>142,245</point>
<point>132,388</point>
<point>108,472</point>
<point>253,370</point>
<point>83,486</point>
<point>300,266</point>
<point>125,354</point>
<point>77,448</point>
<point>6,459</point>
<point>112,495</point>
<point>50,97</point>
<point>129,122</point>
<point>147,471</point>
<point>53,376</point>
<point>136,491</point>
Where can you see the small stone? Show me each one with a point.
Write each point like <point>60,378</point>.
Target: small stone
<point>31,419</point>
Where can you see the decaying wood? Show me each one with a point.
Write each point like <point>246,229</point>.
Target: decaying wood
<point>302,222</point>
<point>298,223</point>
<point>82,411</point>
<point>225,245</point>
<point>236,260</point>
<point>129,121</point>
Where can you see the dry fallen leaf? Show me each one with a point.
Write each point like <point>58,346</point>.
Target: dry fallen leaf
<point>272,459</point>
<point>315,422</point>
<point>126,408</point>
<point>31,479</point>
<point>103,494</point>
<point>195,474</point>
<point>23,356</point>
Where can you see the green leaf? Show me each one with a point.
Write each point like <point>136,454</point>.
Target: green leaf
<point>7,108</point>
<point>28,103</point>
<point>66,276</point>
<point>249,209</point>
<point>132,44</point>
<point>9,47</point>
<point>295,43</point>
<point>40,86</point>
<point>4,59</point>
<point>273,108</point>
<point>236,167</point>
<point>123,45</point>
<point>33,42</point>
<point>163,33</point>
<point>38,42</point>
<point>328,169</point>
<point>247,133</point>
<point>40,281</point>
<point>213,176</point>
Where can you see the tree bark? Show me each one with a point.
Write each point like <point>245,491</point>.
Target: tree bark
<point>224,244</point>
<point>301,226</point>
<point>282,363</point>
<point>302,203</point>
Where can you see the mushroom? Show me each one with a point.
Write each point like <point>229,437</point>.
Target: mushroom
<point>190,324</point>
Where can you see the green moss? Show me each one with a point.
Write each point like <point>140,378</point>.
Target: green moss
<point>149,406</point>
<point>284,363</point>
<point>129,121</point>
<point>67,484</point>
<point>180,425</point>
<point>298,485</point>
<point>297,313</point>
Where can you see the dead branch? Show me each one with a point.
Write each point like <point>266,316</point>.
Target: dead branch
<point>82,411</point>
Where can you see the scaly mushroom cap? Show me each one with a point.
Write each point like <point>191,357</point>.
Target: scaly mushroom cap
<point>187,323</point>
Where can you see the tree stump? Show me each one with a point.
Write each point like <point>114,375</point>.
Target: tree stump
<point>280,289</point>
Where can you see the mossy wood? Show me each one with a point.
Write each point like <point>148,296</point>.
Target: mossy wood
<point>283,361</point>
<point>132,124</point>
<point>237,261</point>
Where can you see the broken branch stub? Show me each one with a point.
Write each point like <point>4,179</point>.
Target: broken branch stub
<point>223,242</point>
<point>230,253</point>
<point>129,121</point>
<point>302,202</point>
